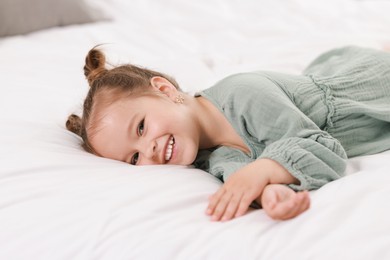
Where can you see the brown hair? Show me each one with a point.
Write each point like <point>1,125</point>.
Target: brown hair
<point>106,87</point>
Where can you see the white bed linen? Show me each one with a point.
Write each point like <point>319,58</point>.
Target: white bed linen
<point>59,202</point>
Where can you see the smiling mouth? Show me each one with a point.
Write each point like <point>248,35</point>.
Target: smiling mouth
<point>168,152</point>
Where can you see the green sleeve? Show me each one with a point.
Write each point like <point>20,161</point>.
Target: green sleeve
<point>289,136</point>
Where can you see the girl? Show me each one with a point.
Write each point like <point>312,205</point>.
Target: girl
<point>270,137</point>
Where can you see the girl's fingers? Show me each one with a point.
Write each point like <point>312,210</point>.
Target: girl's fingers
<point>232,207</point>
<point>305,202</point>
<point>299,204</point>
<point>226,205</point>
<point>245,202</point>
<point>269,199</point>
<point>213,201</point>
<point>231,200</point>
<point>221,206</point>
<point>288,208</point>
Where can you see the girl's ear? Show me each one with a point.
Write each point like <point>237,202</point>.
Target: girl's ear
<point>164,86</point>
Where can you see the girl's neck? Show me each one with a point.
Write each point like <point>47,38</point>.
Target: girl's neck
<point>215,129</point>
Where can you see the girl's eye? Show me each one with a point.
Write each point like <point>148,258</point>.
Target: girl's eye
<point>140,129</point>
<point>134,159</point>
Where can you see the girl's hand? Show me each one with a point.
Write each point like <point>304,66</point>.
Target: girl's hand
<point>282,203</point>
<point>244,186</point>
<point>237,193</point>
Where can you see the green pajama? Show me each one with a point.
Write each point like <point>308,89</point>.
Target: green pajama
<point>310,123</point>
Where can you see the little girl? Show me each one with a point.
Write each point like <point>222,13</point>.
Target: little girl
<point>270,137</point>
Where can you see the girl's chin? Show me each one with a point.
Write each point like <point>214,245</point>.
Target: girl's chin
<point>183,161</point>
<point>184,157</point>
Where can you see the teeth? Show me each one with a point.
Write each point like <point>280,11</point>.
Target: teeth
<point>168,152</point>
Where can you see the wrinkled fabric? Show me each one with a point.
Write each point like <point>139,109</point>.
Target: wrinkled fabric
<point>310,123</point>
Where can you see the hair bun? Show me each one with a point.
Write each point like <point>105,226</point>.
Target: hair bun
<point>73,124</point>
<point>94,65</point>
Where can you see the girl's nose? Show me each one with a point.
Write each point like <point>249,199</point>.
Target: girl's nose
<point>150,151</point>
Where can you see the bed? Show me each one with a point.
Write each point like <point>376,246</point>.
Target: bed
<point>59,202</point>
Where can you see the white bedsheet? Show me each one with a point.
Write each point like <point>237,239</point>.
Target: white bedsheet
<point>59,202</point>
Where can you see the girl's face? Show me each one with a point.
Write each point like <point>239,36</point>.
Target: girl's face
<point>149,129</point>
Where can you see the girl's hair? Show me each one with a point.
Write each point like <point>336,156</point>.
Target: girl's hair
<point>106,87</point>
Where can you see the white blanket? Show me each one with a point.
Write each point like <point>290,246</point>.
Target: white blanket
<point>59,202</point>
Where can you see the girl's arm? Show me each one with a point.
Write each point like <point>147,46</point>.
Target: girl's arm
<point>247,184</point>
<point>289,143</point>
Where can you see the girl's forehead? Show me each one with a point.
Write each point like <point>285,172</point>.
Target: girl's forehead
<point>122,109</point>
<point>107,125</point>
<point>109,97</point>
<point>103,115</point>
